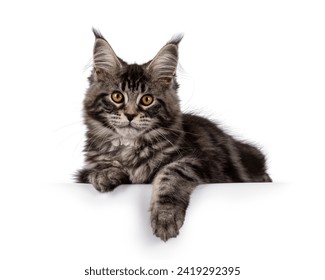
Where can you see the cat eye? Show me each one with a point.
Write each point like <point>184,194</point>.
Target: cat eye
<point>117,97</point>
<point>146,100</point>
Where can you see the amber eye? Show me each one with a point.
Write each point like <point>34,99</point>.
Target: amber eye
<point>146,100</point>
<point>117,97</point>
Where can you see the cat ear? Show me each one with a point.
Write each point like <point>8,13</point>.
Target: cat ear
<point>163,66</point>
<point>105,59</point>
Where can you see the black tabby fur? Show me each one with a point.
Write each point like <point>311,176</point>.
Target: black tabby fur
<point>130,142</point>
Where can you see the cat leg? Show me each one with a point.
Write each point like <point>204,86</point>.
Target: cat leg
<point>104,179</point>
<point>172,188</point>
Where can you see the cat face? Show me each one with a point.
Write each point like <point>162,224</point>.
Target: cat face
<point>132,99</point>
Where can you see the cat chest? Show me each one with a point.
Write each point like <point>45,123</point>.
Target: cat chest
<point>134,162</point>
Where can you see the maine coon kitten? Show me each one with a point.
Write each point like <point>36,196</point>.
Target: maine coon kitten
<point>136,133</point>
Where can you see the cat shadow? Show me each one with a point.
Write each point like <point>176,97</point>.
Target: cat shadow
<point>145,230</point>
<point>141,197</point>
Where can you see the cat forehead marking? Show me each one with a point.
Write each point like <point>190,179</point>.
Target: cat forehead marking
<point>134,78</point>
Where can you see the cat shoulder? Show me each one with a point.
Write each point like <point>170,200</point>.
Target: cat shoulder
<point>194,121</point>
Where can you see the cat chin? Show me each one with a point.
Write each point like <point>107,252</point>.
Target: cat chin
<point>128,132</point>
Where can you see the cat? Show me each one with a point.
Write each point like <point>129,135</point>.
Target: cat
<point>136,133</point>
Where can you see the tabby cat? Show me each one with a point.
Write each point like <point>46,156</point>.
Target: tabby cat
<point>137,134</point>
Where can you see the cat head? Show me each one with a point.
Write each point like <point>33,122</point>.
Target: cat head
<point>131,99</point>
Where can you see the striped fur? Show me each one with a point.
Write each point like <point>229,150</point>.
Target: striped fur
<point>129,142</point>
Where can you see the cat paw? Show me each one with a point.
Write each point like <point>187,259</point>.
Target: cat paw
<point>166,221</point>
<point>102,181</point>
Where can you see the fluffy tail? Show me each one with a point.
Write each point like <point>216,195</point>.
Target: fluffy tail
<point>254,162</point>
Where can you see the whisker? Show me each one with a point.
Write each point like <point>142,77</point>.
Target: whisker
<point>68,137</point>
<point>66,126</point>
<point>164,137</point>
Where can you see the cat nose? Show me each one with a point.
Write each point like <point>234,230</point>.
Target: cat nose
<point>130,117</point>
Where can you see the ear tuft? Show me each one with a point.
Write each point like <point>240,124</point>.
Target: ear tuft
<point>98,34</point>
<point>104,56</point>
<point>176,39</point>
<point>164,64</point>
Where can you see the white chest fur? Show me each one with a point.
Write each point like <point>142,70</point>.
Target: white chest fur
<point>128,154</point>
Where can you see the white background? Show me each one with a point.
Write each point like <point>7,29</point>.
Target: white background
<point>257,67</point>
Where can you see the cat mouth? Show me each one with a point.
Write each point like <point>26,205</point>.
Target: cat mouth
<point>130,126</point>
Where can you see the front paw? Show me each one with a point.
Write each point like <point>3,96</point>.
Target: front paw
<point>103,180</point>
<point>166,220</point>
